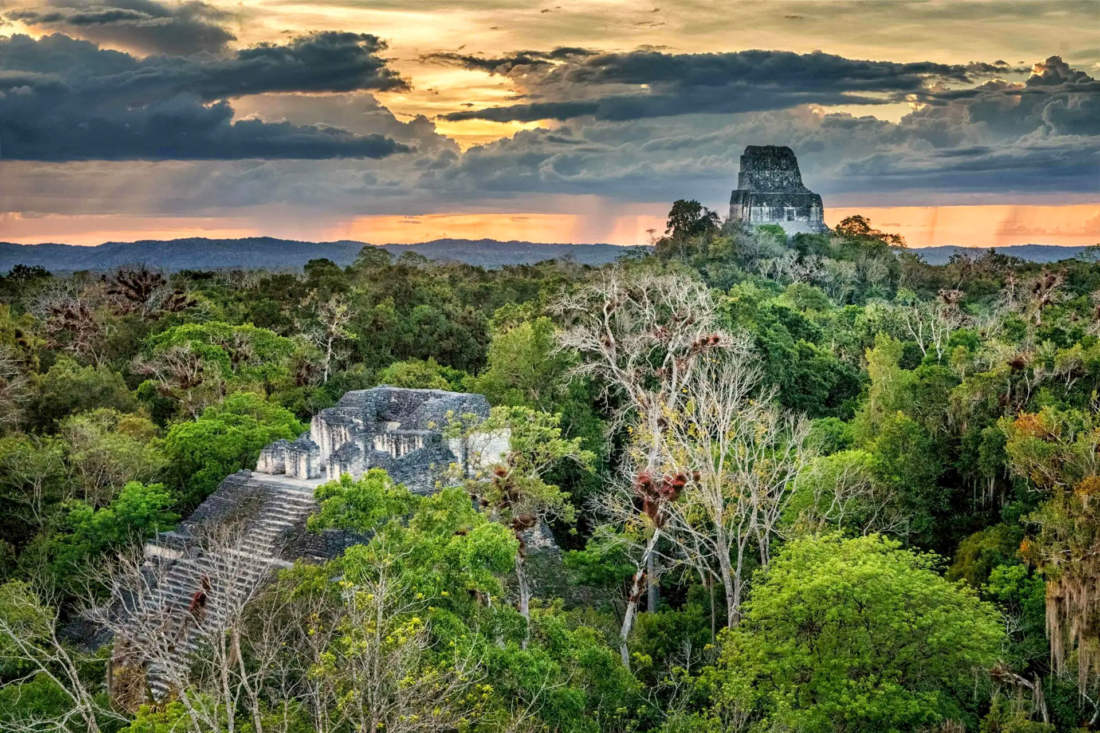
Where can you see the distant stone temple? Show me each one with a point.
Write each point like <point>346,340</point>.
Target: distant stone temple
<point>193,587</point>
<point>770,191</point>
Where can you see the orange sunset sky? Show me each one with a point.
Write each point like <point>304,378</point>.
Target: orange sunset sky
<point>996,225</point>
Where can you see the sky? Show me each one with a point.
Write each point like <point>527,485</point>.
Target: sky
<point>970,123</point>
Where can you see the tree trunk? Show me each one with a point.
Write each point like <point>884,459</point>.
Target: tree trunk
<point>733,585</point>
<point>524,596</point>
<point>253,698</point>
<point>637,588</point>
<point>653,590</point>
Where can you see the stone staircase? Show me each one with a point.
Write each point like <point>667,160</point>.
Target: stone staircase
<point>254,524</point>
<point>235,566</point>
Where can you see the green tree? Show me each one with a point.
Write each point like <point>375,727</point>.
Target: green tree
<point>906,463</point>
<point>225,438</point>
<point>855,634</point>
<point>139,511</point>
<point>33,482</point>
<point>68,387</point>
<point>108,448</point>
<point>422,374</point>
<point>49,685</point>
<point>194,364</point>
<point>525,366</point>
<point>363,504</point>
<point>1058,452</point>
<point>690,219</point>
<point>510,483</point>
<point>858,227</point>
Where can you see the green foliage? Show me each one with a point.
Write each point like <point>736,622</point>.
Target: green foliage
<point>67,388</point>
<point>953,407</point>
<point>1007,716</point>
<point>168,718</point>
<point>243,353</point>
<point>194,364</point>
<point>225,438</point>
<point>422,374</point>
<point>983,551</point>
<point>33,481</point>
<point>525,367</point>
<point>513,485</point>
<point>855,634</point>
<point>829,435</point>
<point>443,551</point>
<point>362,504</point>
<point>687,219</point>
<point>906,461</point>
<point>40,698</point>
<point>139,511</point>
<point>108,448</point>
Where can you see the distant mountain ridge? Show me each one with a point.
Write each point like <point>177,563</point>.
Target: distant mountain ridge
<point>1031,252</point>
<point>200,253</point>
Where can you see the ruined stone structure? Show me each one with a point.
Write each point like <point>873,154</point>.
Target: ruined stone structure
<point>399,430</point>
<point>770,191</point>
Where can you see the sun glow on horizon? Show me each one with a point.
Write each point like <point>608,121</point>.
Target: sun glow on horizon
<point>980,225</point>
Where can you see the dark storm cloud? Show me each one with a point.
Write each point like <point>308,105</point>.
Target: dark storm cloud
<point>64,99</point>
<point>142,25</point>
<point>1037,136</point>
<point>568,83</point>
<point>518,61</point>
<point>1056,99</point>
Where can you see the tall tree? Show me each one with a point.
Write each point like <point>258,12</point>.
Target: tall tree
<point>1059,454</point>
<point>736,455</point>
<point>640,336</point>
<point>510,484</point>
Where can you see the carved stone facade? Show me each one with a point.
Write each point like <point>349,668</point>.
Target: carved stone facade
<point>400,430</point>
<point>770,191</point>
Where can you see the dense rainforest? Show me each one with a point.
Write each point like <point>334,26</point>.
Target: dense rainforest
<point>799,484</point>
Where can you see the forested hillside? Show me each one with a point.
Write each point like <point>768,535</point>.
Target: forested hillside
<point>800,485</point>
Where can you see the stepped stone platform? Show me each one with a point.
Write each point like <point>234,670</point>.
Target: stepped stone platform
<point>255,523</point>
<point>770,191</point>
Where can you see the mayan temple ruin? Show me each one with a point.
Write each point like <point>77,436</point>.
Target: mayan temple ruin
<point>770,191</point>
<point>255,523</point>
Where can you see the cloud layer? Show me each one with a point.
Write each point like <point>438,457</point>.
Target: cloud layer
<point>64,99</point>
<point>146,26</point>
<point>568,82</point>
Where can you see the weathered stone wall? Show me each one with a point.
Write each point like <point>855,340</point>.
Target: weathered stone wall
<point>396,429</point>
<point>770,168</point>
<point>770,191</point>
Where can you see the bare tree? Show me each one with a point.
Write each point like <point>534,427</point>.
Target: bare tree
<point>29,638</point>
<point>183,374</point>
<point>15,388</point>
<point>736,455</point>
<point>930,323</point>
<point>145,292</point>
<point>845,495</point>
<point>343,654</point>
<point>37,466</point>
<point>329,329</point>
<point>641,336</point>
<point>70,322</point>
<point>178,627</point>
